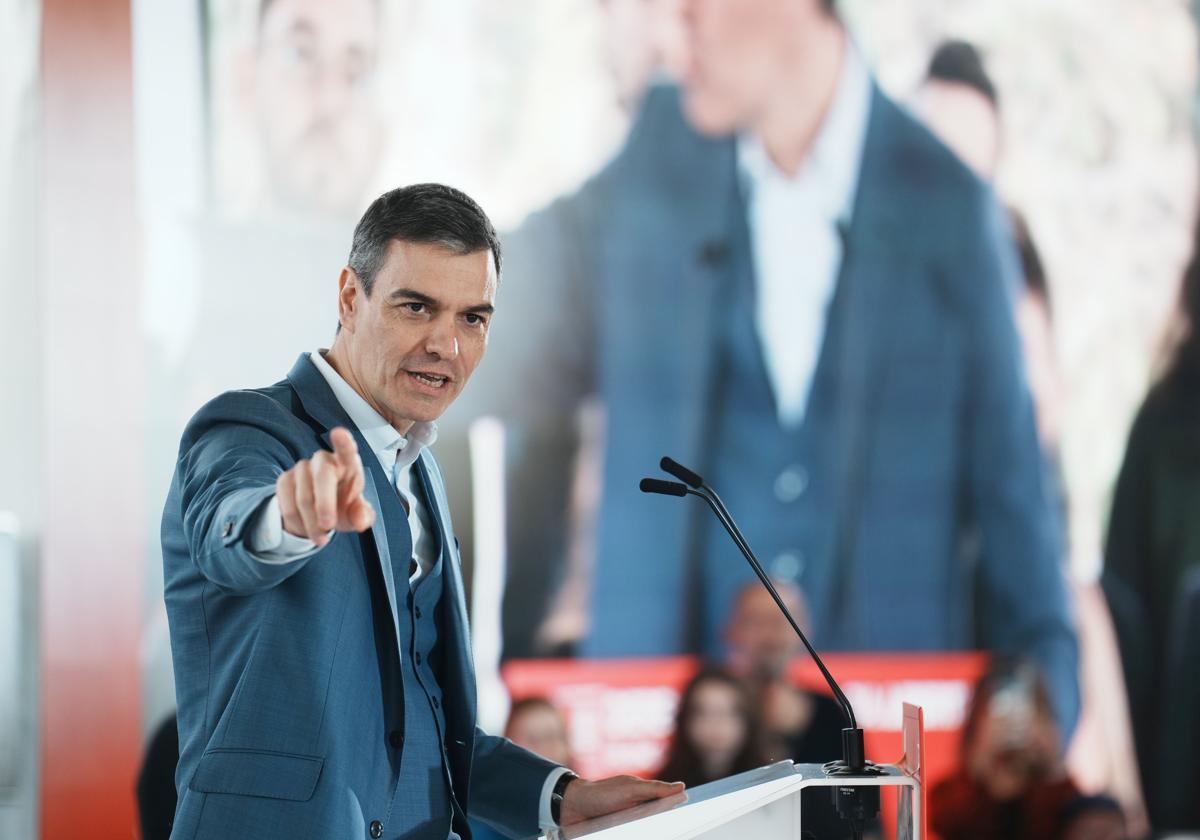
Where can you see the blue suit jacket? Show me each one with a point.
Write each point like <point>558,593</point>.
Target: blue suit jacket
<point>286,675</point>
<point>619,290</point>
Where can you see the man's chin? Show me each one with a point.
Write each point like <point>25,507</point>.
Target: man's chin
<point>707,117</point>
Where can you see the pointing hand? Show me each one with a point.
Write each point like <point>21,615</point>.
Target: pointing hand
<point>325,492</point>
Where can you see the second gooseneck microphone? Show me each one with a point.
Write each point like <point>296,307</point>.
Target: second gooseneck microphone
<point>691,484</point>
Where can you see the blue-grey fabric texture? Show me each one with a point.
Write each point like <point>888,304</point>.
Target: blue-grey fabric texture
<point>925,525</point>
<point>296,710</point>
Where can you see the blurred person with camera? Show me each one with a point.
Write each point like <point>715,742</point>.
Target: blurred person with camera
<point>1012,783</point>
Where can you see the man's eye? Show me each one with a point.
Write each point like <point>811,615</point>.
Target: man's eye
<point>415,308</point>
<point>475,320</point>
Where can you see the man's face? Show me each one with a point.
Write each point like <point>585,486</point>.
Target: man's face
<point>965,120</point>
<point>414,341</point>
<point>760,638</point>
<point>734,54</point>
<point>312,92</point>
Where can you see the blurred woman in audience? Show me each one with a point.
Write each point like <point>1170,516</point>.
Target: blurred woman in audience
<point>536,724</point>
<point>1153,547</point>
<point>1012,783</point>
<point>716,731</point>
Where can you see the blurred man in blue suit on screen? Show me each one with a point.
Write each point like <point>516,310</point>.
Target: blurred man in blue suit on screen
<point>786,282</point>
<point>318,627</point>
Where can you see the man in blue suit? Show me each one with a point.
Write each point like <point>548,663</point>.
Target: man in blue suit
<point>318,627</point>
<point>785,282</point>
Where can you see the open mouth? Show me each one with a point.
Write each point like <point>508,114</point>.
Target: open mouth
<point>431,380</point>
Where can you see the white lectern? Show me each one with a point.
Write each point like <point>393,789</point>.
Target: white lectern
<point>763,803</point>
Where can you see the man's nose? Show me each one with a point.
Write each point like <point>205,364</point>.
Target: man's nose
<point>442,340</point>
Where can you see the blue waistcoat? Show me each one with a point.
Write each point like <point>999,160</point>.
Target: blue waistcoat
<point>779,482</point>
<point>421,793</point>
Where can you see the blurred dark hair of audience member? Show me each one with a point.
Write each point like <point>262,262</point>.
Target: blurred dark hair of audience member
<point>716,731</point>
<point>1035,325</point>
<point>536,724</point>
<point>1012,784</point>
<point>959,103</point>
<point>1094,818</point>
<point>797,724</point>
<point>156,795</point>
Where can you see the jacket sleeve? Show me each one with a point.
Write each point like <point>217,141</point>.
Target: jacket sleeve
<point>506,785</point>
<point>1023,595</point>
<point>232,453</point>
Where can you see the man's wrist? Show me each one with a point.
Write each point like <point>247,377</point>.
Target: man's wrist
<point>557,795</point>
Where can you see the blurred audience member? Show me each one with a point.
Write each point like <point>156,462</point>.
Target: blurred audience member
<point>1012,784</point>
<point>787,282</point>
<point>643,41</point>
<point>156,796</point>
<point>536,724</point>
<point>958,101</point>
<point>308,88</point>
<point>1094,818</point>
<point>716,731</point>
<point>797,724</point>
<point>1153,545</point>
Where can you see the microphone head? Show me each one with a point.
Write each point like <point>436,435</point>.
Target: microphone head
<point>681,472</point>
<point>664,488</point>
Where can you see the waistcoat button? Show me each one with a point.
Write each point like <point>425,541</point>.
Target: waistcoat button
<point>376,829</point>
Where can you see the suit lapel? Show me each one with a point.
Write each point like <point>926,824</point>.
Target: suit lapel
<point>322,406</point>
<point>457,627</point>
<point>875,262</point>
<point>714,251</point>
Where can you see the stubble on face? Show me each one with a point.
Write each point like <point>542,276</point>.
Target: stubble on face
<point>411,345</point>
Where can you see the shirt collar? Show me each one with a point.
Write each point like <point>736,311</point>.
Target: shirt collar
<point>394,450</point>
<point>830,169</point>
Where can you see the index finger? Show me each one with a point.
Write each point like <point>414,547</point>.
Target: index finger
<point>345,450</point>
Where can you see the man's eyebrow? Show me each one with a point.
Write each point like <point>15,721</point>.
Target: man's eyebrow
<point>411,294</point>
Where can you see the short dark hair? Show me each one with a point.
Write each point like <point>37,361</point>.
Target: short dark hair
<point>429,213</point>
<point>959,62</point>
<point>1032,268</point>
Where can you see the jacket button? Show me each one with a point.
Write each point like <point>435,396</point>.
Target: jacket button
<point>418,657</point>
<point>437,703</point>
<point>396,738</point>
<point>227,530</point>
<point>418,612</point>
<point>376,829</point>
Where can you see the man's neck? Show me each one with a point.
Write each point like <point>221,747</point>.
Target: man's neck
<point>797,106</point>
<point>337,359</point>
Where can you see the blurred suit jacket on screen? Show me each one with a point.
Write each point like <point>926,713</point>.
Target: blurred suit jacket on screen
<point>289,676</point>
<point>925,518</point>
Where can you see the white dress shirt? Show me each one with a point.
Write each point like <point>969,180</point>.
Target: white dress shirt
<point>270,543</point>
<point>795,241</point>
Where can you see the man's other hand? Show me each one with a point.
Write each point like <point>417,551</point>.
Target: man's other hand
<point>585,800</point>
<point>325,492</point>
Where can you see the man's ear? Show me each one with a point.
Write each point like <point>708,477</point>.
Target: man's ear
<point>350,295</point>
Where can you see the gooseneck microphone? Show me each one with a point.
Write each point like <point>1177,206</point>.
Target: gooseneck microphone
<point>855,805</point>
